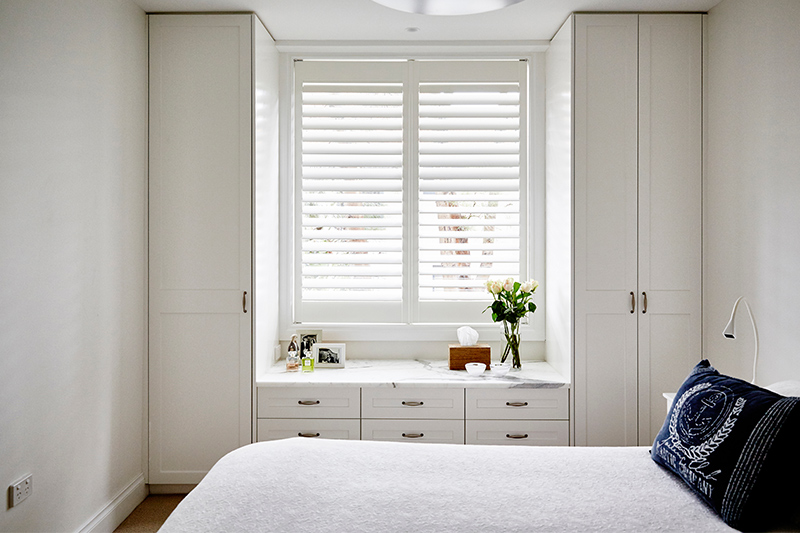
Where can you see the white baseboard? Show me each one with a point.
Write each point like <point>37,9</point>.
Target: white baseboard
<point>170,489</point>
<point>119,508</point>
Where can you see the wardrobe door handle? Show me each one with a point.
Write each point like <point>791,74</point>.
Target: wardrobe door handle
<point>516,436</point>
<point>517,404</point>
<point>308,402</point>
<point>244,302</point>
<point>413,435</point>
<point>644,302</point>
<point>308,435</point>
<point>633,303</point>
<point>413,404</point>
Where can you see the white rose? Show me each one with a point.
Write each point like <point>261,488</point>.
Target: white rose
<point>534,285</point>
<point>496,287</point>
<point>526,287</point>
<point>509,284</point>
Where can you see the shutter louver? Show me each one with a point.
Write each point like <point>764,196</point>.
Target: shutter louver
<point>352,191</point>
<point>469,187</point>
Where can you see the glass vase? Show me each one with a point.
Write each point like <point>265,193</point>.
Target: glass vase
<point>511,337</point>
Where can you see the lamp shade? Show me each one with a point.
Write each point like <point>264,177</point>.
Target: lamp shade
<point>730,329</point>
<point>446,7</point>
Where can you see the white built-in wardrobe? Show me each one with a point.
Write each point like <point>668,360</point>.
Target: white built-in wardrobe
<point>213,138</point>
<point>624,185</point>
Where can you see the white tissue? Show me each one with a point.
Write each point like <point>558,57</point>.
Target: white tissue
<point>467,336</point>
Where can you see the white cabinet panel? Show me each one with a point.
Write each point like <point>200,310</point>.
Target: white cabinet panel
<point>539,404</point>
<point>200,235</point>
<point>605,202</point>
<point>518,432</point>
<point>412,402</point>
<point>637,98</point>
<point>670,209</point>
<point>309,402</point>
<point>324,428</point>
<point>442,431</point>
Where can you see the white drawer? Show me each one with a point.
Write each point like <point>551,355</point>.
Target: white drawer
<point>309,402</point>
<point>412,402</point>
<point>325,428</point>
<point>443,431</point>
<point>504,404</point>
<point>518,432</point>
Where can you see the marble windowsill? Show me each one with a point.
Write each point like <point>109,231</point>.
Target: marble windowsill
<point>413,373</point>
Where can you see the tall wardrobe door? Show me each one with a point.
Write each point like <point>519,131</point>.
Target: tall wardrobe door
<point>200,243</point>
<point>670,209</point>
<point>605,188</point>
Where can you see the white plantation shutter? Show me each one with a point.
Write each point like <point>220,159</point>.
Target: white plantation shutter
<point>350,172</point>
<point>471,164</point>
<point>411,184</point>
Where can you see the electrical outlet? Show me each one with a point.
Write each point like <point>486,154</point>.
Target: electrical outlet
<point>20,490</point>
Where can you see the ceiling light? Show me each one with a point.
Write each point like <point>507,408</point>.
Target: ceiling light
<point>446,7</point>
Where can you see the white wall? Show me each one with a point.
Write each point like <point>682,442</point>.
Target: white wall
<point>752,186</point>
<point>73,101</point>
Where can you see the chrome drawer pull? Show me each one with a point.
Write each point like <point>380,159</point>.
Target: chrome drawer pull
<point>413,435</point>
<point>308,402</point>
<point>308,435</point>
<point>516,436</point>
<point>413,404</point>
<point>516,404</point>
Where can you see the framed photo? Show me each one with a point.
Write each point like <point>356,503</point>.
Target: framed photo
<point>328,355</point>
<point>308,338</point>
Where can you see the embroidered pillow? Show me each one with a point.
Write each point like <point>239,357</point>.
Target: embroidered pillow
<point>735,444</point>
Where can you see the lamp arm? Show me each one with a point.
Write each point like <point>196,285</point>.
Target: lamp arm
<point>755,336</point>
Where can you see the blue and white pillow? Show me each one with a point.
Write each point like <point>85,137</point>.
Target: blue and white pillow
<point>736,445</point>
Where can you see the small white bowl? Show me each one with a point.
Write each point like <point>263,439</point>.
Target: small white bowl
<point>500,369</point>
<point>475,369</point>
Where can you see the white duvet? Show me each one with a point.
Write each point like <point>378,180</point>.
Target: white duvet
<point>341,486</point>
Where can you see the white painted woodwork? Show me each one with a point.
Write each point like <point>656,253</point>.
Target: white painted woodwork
<point>540,404</point>
<point>441,431</point>
<point>605,239</point>
<point>324,428</point>
<point>637,209</point>
<point>200,338</point>
<point>670,208</point>
<point>378,402</point>
<point>518,432</point>
<point>309,402</point>
<point>558,197</point>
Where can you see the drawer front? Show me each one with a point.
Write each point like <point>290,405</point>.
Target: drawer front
<point>518,432</point>
<point>412,402</point>
<point>325,428</point>
<point>505,404</point>
<point>309,402</point>
<point>442,431</point>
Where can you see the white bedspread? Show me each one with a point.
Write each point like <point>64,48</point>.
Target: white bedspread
<point>341,486</point>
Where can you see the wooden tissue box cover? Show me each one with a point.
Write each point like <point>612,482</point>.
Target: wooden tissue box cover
<point>461,355</point>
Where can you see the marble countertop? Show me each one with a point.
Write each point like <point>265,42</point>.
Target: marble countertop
<point>413,373</point>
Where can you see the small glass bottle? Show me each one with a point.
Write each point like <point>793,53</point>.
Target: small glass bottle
<point>293,356</point>
<point>307,362</point>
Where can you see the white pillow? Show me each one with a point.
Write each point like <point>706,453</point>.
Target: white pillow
<point>785,388</point>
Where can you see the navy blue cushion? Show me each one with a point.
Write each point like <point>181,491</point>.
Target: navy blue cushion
<point>735,444</point>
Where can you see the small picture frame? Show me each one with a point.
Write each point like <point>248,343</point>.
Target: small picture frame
<point>327,355</point>
<point>307,339</point>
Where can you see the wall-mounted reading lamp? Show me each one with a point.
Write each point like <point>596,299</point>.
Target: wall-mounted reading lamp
<point>730,330</point>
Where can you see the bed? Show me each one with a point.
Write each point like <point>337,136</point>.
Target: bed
<point>301,484</point>
<point>334,486</point>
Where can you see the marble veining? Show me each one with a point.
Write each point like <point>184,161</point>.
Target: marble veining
<point>414,373</point>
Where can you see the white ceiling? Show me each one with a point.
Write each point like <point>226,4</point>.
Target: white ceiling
<point>365,20</point>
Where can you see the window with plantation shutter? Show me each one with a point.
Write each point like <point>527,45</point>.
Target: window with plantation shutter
<point>410,186</point>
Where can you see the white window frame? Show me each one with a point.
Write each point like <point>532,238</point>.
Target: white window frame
<point>534,54</point>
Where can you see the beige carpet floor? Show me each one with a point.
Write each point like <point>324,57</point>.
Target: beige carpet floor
<point>150,514</point>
